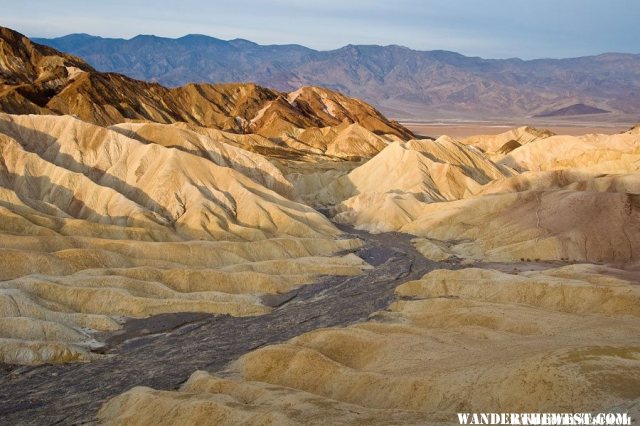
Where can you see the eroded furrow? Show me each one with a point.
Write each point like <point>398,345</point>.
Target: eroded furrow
<point>163,351</point>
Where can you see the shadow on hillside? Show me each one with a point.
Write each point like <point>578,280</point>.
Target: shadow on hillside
<point>47,147</point>
<point>58,202</point>
<point>44,191</point>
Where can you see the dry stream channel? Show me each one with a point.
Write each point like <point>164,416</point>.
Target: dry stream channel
<point>163,351</point>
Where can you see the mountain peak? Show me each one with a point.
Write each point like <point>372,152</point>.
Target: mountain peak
<point>39,80</point>
<point>22,61</point>
<point>200,38</point>
<point>575,109</point>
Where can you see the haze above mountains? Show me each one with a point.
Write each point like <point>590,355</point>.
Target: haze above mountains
<point>403,83</point>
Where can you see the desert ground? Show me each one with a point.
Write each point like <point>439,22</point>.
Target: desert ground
<point>283,291</point>
<point>230,254</point>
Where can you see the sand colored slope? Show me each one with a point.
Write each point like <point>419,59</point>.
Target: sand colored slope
<point>433,170</point>
<point>356,141</point>
<point>390,190</point>
<point>497,146</point>
<point>249,142</point>
<point>81,285</point>
<point>192,194</point>
<point>570,225</point>
<point>345,141</point>
<point>569,179</point>
<point>206,398</point>
<point>379,212</point>
<point>61,255</point>
<point>548,341</point>
<point>619,153</point>
<point>574,212</point>
<point>97,226</point>
<point>579,205</point>
<point>311,178</point>
<point>222,148</point>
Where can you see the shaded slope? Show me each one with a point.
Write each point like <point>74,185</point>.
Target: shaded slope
<point>190,193</point>
<point>548,225</point>
<point>551,197</point>
<point>390,189</point>
<point>546,341</point>
<point>96,226</point>
<point>38,79</point>
<point>222,148</point>
<point>31,74</point>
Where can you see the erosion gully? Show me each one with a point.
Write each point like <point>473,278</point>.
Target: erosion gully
<point>163,351</point>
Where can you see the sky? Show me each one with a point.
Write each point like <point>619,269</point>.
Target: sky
<point>487,28</point>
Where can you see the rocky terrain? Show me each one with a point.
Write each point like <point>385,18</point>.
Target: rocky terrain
<point>231,254</point>
<point>38,80</point>
<point>402,82</point>
<point>459,332</point>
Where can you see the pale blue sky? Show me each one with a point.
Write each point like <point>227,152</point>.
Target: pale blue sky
<point>488,28</point>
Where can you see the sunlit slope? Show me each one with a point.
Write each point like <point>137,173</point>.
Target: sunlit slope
<point>562,340</point>
<point>97,226</point>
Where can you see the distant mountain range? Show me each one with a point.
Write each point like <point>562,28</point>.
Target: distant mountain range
<point>403,83</point>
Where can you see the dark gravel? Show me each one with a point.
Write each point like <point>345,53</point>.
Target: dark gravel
<point>163,351</point>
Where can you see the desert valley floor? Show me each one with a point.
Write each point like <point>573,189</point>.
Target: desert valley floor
<point>143,346</point>
<point>231,254</point>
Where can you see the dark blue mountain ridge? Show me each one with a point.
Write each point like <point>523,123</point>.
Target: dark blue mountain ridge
<point>402,82</point>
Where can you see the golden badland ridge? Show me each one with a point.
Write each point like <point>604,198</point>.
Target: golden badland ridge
<point>121,199</point>
<point>36,79</point>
